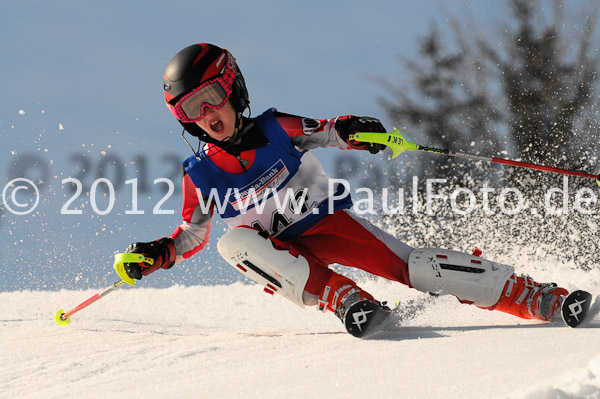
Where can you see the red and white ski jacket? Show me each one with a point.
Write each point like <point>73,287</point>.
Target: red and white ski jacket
<point>305,133</point>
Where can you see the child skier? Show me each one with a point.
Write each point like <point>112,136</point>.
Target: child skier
<point>287,222</point>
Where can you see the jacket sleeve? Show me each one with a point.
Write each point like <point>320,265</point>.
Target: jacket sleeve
<point>193,234</point>
<point>308,133</point>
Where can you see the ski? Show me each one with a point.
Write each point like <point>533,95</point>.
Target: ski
<point>575,308</point>
<point>363,318</point>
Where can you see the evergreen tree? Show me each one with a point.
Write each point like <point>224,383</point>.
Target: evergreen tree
<point>534,93</point>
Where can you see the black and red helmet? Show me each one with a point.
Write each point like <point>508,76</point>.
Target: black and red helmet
<point>192,69</point>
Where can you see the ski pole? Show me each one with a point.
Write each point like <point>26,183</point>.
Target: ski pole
<point>63,318</point>
<point>399,144</point>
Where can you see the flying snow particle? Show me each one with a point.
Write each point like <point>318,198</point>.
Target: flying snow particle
<point>60,126</point>
<point>21,112</point>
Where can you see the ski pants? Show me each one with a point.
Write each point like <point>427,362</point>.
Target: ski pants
<point>349,240</point>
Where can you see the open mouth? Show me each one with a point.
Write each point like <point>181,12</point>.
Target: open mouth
<point>216,126</point>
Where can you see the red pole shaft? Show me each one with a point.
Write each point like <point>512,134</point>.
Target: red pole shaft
<point>81,306</point>
<point>510,162</point>
<point>93,299</point>
<point>543,167</point>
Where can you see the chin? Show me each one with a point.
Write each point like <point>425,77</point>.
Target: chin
<point>227,137</point>
<point>223,138</point>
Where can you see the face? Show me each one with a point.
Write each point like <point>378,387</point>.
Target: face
<point>219,123</point>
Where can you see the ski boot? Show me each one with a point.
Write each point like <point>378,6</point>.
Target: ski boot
<point>525,298</point>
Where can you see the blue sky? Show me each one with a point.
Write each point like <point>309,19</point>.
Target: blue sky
<point>82,82</point>
<point>311,57</point>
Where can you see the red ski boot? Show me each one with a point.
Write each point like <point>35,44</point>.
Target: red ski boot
<point>525,298</point>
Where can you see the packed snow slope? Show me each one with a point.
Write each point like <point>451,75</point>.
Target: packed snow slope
<point>234,341</point>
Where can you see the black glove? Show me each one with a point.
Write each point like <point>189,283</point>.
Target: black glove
<point>162,251</point>
<point>346,125</point>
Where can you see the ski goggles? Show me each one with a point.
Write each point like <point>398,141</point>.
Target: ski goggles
<point>213,93</point>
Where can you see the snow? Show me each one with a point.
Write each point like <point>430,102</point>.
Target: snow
<point>235,341</point>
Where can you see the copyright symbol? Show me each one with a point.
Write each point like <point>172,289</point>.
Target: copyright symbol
<point>17,185</point>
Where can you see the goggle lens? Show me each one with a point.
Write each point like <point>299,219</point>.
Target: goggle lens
<point>212,95</point>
